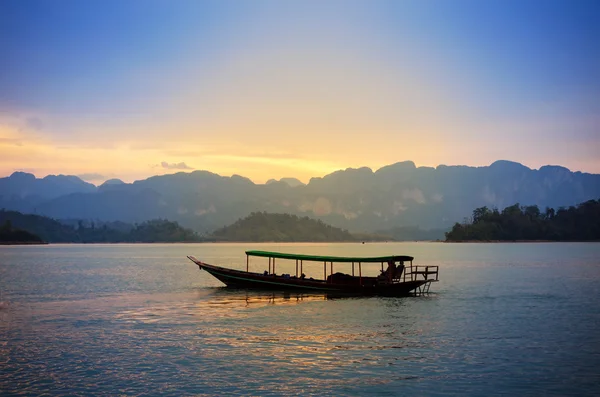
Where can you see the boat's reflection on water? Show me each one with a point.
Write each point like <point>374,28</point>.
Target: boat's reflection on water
<point>233,296</point>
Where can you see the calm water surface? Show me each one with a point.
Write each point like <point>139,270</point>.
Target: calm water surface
<point>505,319</point>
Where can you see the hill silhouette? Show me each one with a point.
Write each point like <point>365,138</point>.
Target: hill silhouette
<point>10,235</point>
<point>359,200</point>
<point>514,223</point>
<point>50,230</point>
<point>261,226</point>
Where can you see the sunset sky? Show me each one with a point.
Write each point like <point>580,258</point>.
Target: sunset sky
<point>271,89</point>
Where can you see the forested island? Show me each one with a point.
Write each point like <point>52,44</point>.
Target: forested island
<point>257,227</point>
<point>528,223</point>
<point>53,231</point>
<point>262,227</point>
<point>9,235</point>
<point>514,223</point>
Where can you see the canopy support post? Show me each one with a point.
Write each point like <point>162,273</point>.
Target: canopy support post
<point>352,269</point>
<point>330,267</point>
<point>359,274</point>
<point>247,263</point>
<point>273,266</point>
<point>296,267</point>
<point>269,265</point>
<point>325,271</point>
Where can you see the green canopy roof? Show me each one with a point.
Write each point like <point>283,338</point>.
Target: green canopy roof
<point>317,258</point>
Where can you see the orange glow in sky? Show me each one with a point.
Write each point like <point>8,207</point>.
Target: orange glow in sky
<point>293,90</point>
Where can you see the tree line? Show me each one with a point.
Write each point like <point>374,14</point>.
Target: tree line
<point>53,231</point>
<point>11,235</point>
<point>262,226</point>
<point>515,223</point>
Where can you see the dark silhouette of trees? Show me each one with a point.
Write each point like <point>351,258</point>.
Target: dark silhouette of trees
<point>50,230</point>
<point>576,223</point>
<point>262,226</point>
<point>10,235</point>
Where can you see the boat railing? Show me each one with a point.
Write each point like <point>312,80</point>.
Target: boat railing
<point>403,272</point>
<point>421,272</point>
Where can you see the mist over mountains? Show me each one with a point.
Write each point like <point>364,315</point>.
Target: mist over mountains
<point>359,200</point>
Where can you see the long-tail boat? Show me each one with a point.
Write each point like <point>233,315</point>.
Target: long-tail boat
<point>400,278</point>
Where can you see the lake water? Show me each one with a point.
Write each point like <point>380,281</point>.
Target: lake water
<point>505,319</point>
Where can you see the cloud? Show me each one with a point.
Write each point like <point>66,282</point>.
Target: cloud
<point>176,166</point>
<point>34,123</point>
<point>304,91</point>
<point>414,194</point>
<point>398,207</point>
<point>92,176</point>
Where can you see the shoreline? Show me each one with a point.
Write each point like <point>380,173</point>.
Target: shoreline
<point>23,243</point>
<point>519,241</point>
<point>304,242</point>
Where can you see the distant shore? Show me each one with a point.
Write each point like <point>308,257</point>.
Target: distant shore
<point>521,241</point>
<point>219,242</point>
<point>302,242</point>
<point>23,243</point>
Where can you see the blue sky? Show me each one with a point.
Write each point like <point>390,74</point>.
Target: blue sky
<point>272,89</point>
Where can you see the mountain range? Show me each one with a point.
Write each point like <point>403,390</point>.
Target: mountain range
<point>360,200</point>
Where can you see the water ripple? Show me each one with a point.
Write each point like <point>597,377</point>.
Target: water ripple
<point>142,336</point>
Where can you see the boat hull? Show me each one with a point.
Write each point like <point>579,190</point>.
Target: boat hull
<point>246,280</point>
